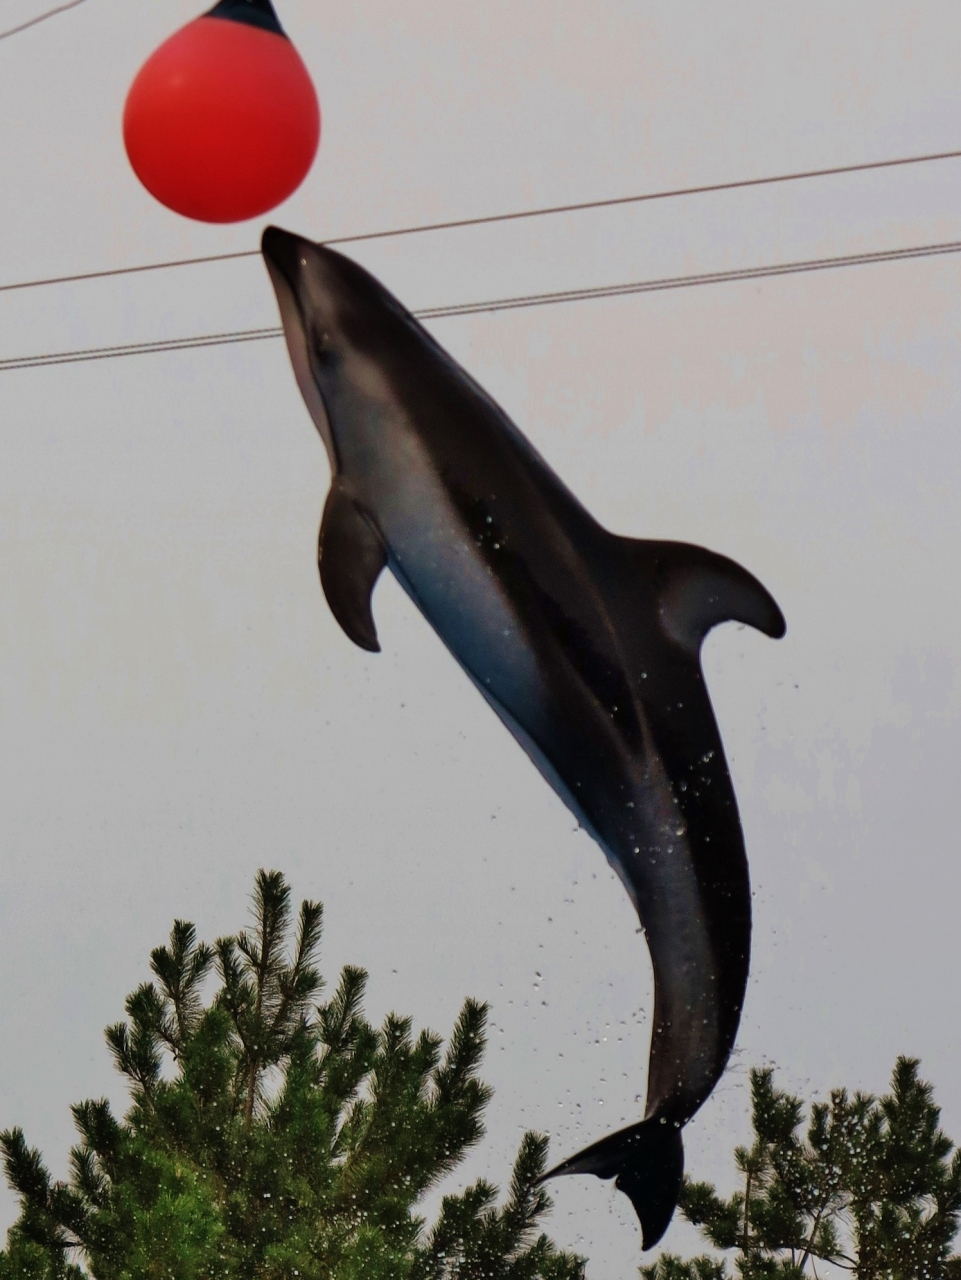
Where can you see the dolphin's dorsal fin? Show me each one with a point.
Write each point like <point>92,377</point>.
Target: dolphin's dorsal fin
<point>351,556</point>
<point>697,589</point>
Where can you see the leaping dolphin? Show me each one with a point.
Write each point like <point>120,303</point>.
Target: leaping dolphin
<point>586,644</point>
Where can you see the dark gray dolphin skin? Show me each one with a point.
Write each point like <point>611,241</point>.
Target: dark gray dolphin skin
<point>586,644</point>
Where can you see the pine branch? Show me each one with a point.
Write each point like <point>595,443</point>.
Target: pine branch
<point>24,1167</point>
<point>720,1219</point>
<point>473,1238</point>
<point>181,969</point>
<point>100,1132</point>
<point>464,1052</point>
<point>671,1267</point>
<point>340,1019</point>
<point>88,1178</point>
<point>40,1198</point>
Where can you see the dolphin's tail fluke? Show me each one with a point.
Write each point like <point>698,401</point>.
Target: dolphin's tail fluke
<point>647,1161</point>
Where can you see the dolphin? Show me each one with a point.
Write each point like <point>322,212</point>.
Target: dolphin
<point>586,644</point>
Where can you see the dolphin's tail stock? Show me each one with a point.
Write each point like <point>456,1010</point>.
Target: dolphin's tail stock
<point>647,1161</point>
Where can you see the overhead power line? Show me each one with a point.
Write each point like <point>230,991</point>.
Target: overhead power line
<point>138,348</point>
<point>488,220</point>
<point>51,13</point>
<point>671,194</point>
<point>687,282</point>
<point>500,304</point>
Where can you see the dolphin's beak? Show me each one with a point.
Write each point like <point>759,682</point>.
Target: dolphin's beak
<point>283,253</point>
<point>285,256</point>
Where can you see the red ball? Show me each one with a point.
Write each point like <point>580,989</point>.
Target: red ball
<point>222,121</point>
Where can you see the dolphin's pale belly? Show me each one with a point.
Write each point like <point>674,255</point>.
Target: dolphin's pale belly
<point>441,568</point>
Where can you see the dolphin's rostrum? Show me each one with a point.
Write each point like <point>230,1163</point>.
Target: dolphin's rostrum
<point>586,644</point>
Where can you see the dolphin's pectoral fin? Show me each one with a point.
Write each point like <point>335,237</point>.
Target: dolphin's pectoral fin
<point>698,589</point>
<point>351,556</point>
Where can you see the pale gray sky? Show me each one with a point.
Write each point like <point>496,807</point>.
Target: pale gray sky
<point>178,707</point>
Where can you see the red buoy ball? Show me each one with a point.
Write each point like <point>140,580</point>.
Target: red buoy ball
<point>222,121</point>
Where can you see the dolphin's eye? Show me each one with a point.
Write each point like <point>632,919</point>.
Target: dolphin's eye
<point>323,351</point>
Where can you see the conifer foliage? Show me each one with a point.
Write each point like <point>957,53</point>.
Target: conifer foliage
<point>872,1190</point>
<point>271,1135</point>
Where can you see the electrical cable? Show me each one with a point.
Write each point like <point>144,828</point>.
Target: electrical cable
<point>51,13</point>
<point>502,304</point>
<point>687,282</point>
<point>138,348</point>
<point>490,219</point>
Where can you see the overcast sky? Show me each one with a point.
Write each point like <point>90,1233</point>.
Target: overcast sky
<point>177,705</point>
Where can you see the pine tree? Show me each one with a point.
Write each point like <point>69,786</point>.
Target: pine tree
<point>874,1188</point>
<point>271,1135</point>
